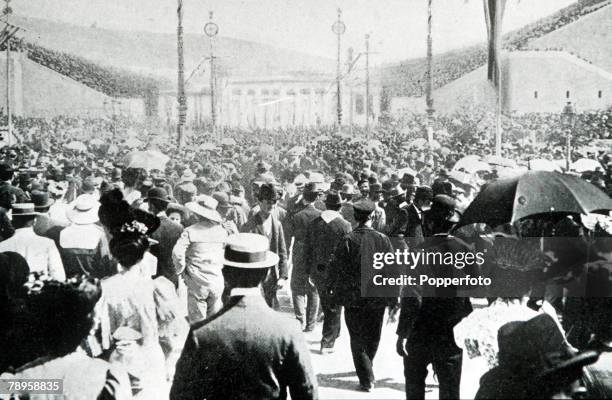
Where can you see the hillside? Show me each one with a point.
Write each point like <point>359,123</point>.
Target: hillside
<point>408,78</point>
<point>597,27</point>
<point>154,54</point>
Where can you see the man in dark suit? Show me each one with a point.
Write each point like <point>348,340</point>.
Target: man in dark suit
<point>322,237</point>
<point>166,235</point>
<point>246,351</point>
<point>414,226</point>
<point>45,225</point>
<point>305,298</point>
<point>426,322</point>
<point>9,194</point>
<point>363,314</point>
<point>264,222</point>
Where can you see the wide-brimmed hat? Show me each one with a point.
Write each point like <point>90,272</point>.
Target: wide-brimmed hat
<point>85,210</point>
<point>24,210</point>
<point>205,207</point>
<point>537,347</point>
<point>187,176</point>
<point>41,199</point>
<point>249,251</point>
<point>126,333</point>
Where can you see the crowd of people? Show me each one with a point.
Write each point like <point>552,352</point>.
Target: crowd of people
<point>130,273</point>
<point>111,81</point>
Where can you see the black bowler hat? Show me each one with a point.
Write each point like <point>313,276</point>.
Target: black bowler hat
<point>269,191</point>
<point>408,179</point>
<point>424,193</point>
<point>376,188</point>
<point>41,199</point>
<point>333,199</point>
<point>445,205</point>
<point>158,193</point>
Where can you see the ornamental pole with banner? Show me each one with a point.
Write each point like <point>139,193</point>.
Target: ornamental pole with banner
<point>494,14</point>
<point>338,28</point>
<point>211,30</point>
<point>182,100</point>
<point>429,88</point>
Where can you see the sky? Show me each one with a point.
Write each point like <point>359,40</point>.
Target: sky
<point>398,28</point>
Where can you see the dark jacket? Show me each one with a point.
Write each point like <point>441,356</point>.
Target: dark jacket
<point>414,227</point>
<point>246,351</point>
<point>10,194</point>
<point>6,227</point>
<point>277,241</point>
<point>296,227</point>
<point>351,269</point>
<point>322,238</point>
<point>167,234</point>
<point>431,317</point>
<point>49,228</point>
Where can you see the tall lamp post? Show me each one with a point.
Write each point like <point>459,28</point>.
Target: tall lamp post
<point>568,120</point>
<point>338,28</point>
<point>429,84</point>
<point>9,123</point>
<point>367,81</point>
<point>349,63</point>
<point>182,99</point>
<point>211,30</point>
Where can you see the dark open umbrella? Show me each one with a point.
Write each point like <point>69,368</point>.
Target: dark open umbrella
<point>532,193</point>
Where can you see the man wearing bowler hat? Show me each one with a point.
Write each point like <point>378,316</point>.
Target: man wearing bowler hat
<point>322,237</point>
<point>9,194</point>
<point>265,222</point>
<point>346,209</point>
<point>414,226</point>
<point>305,298</point>
<point>427,318</point>
<point>246,351</point>
<point>45,225</point>
<point>166,235</point>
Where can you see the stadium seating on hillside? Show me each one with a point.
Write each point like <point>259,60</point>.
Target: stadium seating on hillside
<point>409,78</point>
<point>108,80</point>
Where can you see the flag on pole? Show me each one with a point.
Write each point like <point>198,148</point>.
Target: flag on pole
<point>494,14</point>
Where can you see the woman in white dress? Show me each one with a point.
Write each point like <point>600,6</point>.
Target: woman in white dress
<point>128,300</point>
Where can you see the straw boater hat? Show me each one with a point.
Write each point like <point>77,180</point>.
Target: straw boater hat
<point>205,207</point>
<point>23,210</point>
<point>85,210</point>
<point>250,251</point>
